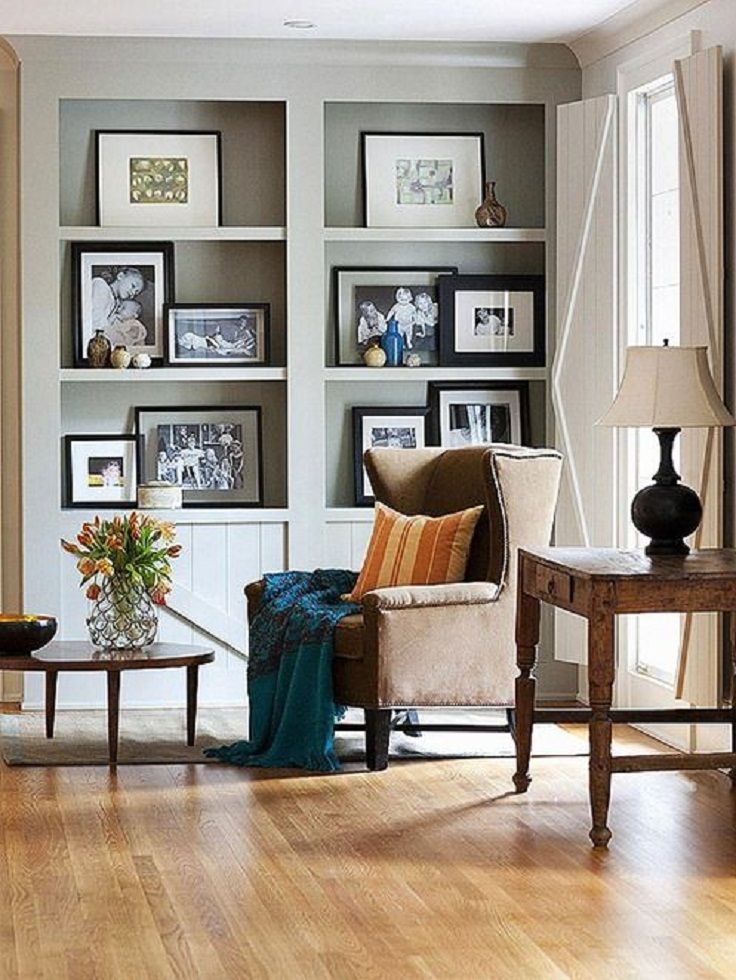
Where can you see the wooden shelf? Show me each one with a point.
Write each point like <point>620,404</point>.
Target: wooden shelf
<point>435,374</point>
<point>154,374</point>
<point>489,235</point>
<point>224,233</point>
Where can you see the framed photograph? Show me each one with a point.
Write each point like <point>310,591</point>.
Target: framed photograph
<point>121,288</point>
<point>101,471</point>
<point>471,413</point>
<point>492,321</point>
<point>158,179</point>
<point>366,299</point>
<point>422,180</point>
<point>216,334</point>
<point>213,453</point>
<point>384,427</point>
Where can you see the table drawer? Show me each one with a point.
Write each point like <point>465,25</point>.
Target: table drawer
<point>553,585</point>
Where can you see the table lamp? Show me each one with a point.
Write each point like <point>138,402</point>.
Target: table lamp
<point>668,389</point>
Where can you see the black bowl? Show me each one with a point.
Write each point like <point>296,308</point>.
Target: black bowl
<point>24,634</point>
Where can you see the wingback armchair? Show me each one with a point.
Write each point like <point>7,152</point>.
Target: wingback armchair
<point>442,645</point>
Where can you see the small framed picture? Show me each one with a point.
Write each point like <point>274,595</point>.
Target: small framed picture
<point>213,453</point>
<point>367,299</point>
<point>384,427</point>
<point>158,179</point>
<point>422,180</point>
<point>492,321</point>
<point>101,471</point>
<point>120,288</point>
<point>216,334</point>
<point>471,413</point>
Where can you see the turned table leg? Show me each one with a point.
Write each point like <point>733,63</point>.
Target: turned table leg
<point>601,659</point>
<point>113,714</point>
<point>192,682</point>
<point>527,637</point>
<point>732,651</point>
<point>52,677</point>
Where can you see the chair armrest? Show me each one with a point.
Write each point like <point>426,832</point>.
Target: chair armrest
<point>254,593</point>
<point>424,596</point>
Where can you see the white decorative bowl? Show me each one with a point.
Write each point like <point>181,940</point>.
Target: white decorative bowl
<point>159,495</point>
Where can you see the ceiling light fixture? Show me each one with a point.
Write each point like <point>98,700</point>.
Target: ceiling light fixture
<point>299,25</point>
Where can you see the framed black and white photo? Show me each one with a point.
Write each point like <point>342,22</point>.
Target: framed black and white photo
<point>384,427</point>
<point>216,334</point>
<point>492,321</point>
<point>367,299</point>
<point>213,453</point>
<point>477,412</point>
<point>120,288</point>
<point>422,180</point>
<point>158,179</point>
<point>101,471</point>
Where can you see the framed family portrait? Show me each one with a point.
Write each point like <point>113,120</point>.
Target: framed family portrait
<point>422,180</point>
<point>213,453</point>
<point>492,321</point>
<point>384,427</point>
<point>216,334</point>
<point>101,470</point>
<point>468,413</point>
<point>121,288</point>
<point>365,300</point>
<point>158,179</point>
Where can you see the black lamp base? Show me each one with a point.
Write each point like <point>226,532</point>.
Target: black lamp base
<point>666,511</point>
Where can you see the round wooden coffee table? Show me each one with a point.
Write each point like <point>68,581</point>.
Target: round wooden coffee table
<point>64,655</point>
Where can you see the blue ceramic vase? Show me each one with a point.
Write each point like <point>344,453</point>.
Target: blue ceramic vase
<point>393,344</point>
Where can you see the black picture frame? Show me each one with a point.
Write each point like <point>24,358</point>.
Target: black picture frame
<point>450,357</point>
<point>140,410</point>
<point>70,502</point>
<point>97,133</point>
<point>366,134</point>
<point>359,414</point>
<point>338,271</point>
<point>435,389</point>
<point>79,249</point>
<point>265,308</point>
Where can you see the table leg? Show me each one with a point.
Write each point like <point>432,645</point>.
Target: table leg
<point>601,668</point>
<point>192,681</point>
<point>52,677</point>
<point>732,651</point>
<point>527,637</point>
<point>113,714</point>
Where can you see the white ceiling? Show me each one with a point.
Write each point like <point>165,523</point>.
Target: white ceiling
<point>429,20</point>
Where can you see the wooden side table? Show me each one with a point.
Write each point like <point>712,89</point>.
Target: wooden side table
<point>598,584</point>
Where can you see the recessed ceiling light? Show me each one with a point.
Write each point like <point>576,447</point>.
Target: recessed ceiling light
<point>299,25</point>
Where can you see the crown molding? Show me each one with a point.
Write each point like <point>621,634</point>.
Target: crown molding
<point>636,21</point>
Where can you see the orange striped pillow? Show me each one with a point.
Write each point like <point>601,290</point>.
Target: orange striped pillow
<point>416,550</point>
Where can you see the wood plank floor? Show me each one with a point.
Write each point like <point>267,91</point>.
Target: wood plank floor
<point>431,869</point>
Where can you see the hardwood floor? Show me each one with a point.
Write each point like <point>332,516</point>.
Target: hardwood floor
<point>430,869</point>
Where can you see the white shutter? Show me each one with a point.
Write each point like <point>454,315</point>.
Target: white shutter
<point>699,89</point>
<point>584,372</point>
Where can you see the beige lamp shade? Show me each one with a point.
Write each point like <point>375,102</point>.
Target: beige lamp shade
<point>668,388</point>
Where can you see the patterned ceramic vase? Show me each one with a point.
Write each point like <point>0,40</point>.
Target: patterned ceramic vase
<point>491,214</point>
<point>393,344</point>
<point>123,616</point>
<point>98,350</point>
<point>120,357</point>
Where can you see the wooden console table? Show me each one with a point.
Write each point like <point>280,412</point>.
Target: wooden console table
<point>598,584</point>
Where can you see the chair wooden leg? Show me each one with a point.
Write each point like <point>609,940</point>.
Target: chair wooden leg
<point>377,732</point>
<point>511,721</point>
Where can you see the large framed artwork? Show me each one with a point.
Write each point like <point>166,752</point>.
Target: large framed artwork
<point>101,470</point>
<point>366,299</point>
<point>214,453</point>
<point>471,413</point>
<point>120,288</point>
<point>384,427</point>
<point>216,334</point>
<point>158,179</point>
<point>492,321</point>
<point>422,180</point>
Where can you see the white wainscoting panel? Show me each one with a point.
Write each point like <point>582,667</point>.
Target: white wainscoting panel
<point>346,542</point>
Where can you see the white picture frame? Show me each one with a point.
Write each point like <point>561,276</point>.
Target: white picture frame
<point>101,471</point>
<point>384,427</point>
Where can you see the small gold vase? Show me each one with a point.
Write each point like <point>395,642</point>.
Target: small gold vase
<point>120,357</point>
<point>491,214</point>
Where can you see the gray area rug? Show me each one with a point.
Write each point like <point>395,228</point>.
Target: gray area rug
<point>158,737</point>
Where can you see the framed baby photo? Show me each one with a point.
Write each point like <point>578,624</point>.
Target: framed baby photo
<point>101,471</point>
<point>365,300</point>
<point>214,453</point>
<point>473,413</point>
<point>119,290</point>
<point>384,427</point>
<point>492,321</point>
<point>148,179</point>
<point>216,334</point>
<point>422,180</point>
